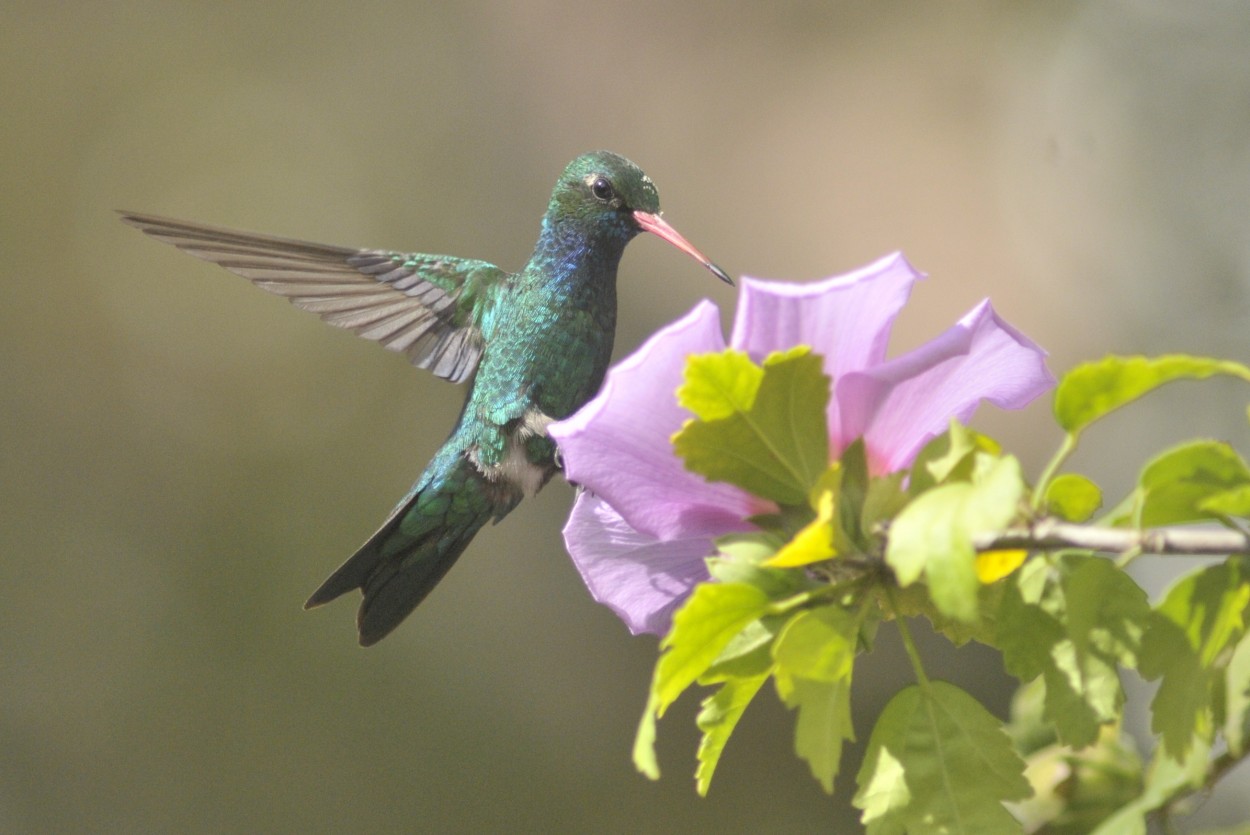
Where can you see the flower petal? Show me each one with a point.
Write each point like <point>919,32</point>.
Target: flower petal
<point>640,578</point>
<point>846,319</point>
<point>619,446</point>
<point>902,403</point>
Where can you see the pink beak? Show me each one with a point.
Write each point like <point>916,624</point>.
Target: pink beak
<point>657,225</point>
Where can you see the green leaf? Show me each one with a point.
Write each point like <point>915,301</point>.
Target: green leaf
<point>748,548</point>
<point>718,385</point>
<point>1210,605</point>
<point>1181,708</point>
<point>774,444</point>
<point>717,719</point>
<point>814,655</point>
<point>1090,391</point>
<point>852,493</point>
<point>644,743</point>
<point>1181,484</point>
<point>1073,497</point>
<point>1075,791</point>
<point>1074,623</point>
<point>883,501</point>
<point>914,601</point>
<point>702,628</point>
<point>1237,699</point>
<point>814,543</point>
<point>748,654</point>
<point>937,761</point>
<point>1188,645</point>
<point>1234,502</point>
<point>1165,779</point>
<point>776,583</point>
<point>713,616</point>
<point>817,644</point>
<point>949,457</point>
<point>823,724</point>
<point>933,536</point>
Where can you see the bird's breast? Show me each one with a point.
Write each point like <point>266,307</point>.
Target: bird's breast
<point>515,461</point>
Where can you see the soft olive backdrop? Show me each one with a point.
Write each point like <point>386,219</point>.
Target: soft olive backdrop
<point>183,458</point>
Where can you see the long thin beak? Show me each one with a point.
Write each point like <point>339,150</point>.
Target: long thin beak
<point>657,225</point>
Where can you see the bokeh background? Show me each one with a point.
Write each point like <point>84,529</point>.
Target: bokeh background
<point>183,458</point>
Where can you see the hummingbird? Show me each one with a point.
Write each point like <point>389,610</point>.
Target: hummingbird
<point>533,346</point>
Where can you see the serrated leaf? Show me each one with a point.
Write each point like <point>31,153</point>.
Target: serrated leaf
<point>1074,623</point>
<point>1177,485</point>
<point>716,386</point>
<point>747,654</point>
<point>717,719</point>
<point>1073,497</point>
<point>933,536</point>
<point>937,761</point>
<point>644,743</point>
<point>949,457</point>
<point>713,616</point>
<point>1237,698</point>
<point>817,644</point>
<point>702,628</point>
<point>814,655</point>
<point>1165,778</point>
<point>914,601</point>
<point>777,445</point>
<point>1180,709</point>
<point>823,724</point>
<point>1199,619</point>
<point>1090,391</point>
<point>1210,605</point>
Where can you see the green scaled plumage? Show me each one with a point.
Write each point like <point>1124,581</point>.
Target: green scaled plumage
<point>535,345</point>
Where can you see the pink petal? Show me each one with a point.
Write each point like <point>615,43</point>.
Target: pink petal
<point>619,443</point>
<point>901,404</point>
<point>640,578</point>
<point>846,319</point>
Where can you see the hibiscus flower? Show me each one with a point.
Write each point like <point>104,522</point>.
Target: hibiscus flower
<point>643,525</point>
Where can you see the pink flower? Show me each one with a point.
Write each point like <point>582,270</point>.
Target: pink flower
<point>640,531</point>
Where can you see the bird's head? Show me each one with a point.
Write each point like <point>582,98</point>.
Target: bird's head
<point>607,196</point>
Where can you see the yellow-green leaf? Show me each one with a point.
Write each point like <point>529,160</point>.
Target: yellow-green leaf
<point>933,536</point>
<point>718,385</point>
<point>813,543</point>
<point>938,761</point>
<point>993,566</point>
<point>1073,497</point>
<point>774,443</point>
<point>717,719</point>
<point>1090,391</point>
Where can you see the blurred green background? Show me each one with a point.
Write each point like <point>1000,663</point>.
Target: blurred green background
<point>184,458</point>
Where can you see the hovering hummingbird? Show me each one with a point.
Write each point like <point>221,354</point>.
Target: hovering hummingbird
<point>534,346</point>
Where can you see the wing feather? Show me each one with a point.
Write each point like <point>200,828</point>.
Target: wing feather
<point>428,307</point>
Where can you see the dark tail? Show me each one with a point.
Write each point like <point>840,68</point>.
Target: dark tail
<point>416,546</point>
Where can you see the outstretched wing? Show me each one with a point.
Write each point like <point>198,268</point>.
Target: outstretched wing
<point>427,306</point>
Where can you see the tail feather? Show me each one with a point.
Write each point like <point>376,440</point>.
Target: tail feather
<point>401,582</point>
<point>415,548</point>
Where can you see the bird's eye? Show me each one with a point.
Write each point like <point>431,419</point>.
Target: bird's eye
<point>602,189</point>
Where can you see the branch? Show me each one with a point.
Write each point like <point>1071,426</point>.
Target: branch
<point>1051,534</point>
